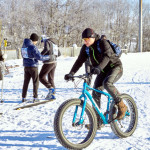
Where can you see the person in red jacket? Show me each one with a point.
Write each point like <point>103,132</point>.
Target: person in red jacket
<point>105,64</point>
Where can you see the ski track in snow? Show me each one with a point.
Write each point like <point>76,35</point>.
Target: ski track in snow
<point>28,129</point>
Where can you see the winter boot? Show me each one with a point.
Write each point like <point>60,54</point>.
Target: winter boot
<point>122,108</point>
<point>51,94</point>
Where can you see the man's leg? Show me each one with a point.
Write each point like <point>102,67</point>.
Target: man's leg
<point>35,78</point>
<point>113,76</point>
<point>97,96</point>
<point>51,94</point>
<point>51,75</point>
<point>27,78</point>
<point>46,68</point>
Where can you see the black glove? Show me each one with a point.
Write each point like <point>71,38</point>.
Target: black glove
<point>96,70</point>
<point>68,76</point>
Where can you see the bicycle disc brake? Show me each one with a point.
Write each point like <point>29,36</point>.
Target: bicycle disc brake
<point>77,125</point>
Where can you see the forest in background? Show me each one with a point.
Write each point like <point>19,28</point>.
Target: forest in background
<point>66,19</point>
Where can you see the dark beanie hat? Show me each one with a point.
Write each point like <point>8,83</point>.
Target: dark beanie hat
<point>103,36</point>
<point>88,33</point>
<point>34,37</point>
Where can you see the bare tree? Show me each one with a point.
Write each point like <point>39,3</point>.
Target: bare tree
<point>65,20</point>
<point>146,27</point>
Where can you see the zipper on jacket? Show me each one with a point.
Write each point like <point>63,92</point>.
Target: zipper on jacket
<point>94,55</point>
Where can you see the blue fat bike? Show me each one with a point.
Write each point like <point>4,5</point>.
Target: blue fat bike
<point>73,115</point>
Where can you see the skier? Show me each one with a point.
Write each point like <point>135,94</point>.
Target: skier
<point>106,65</point>
<point>49,66</point>
<point>31,55</point>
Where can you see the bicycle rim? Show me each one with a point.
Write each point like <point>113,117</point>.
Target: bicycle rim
<point>126,126</point>
<point>75,136</point>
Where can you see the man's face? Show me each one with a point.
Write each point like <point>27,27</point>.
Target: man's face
<point>34,42</point>
<point>88,41</point>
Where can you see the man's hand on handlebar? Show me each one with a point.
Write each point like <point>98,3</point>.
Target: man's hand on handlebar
<point>69,76</point>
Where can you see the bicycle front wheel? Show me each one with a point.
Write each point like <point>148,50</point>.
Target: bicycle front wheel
<point>126,126</point>
<point>74,136</point>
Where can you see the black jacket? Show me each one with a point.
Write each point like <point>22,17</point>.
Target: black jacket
<point>48,50</point>
<point>104,59</point>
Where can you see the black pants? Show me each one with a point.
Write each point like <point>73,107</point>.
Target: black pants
<point>48,70</point>
<point>105,81</point>
<point>31,72</point>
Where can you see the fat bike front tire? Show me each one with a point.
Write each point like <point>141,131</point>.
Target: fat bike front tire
<point>74,136</point>
<point>125,127</point>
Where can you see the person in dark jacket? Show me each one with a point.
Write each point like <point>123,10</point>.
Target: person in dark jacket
<point>47,72</point>
<point>106,65</point>
<point>31,55</point>
<point>88,65</point>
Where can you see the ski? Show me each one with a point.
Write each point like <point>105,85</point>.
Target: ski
<point>33,104</point>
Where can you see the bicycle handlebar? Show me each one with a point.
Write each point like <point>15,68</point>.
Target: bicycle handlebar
<point>84,76</point>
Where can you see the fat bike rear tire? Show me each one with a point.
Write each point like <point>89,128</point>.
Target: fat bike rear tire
<point>74,136</point>
<point>125,127</point>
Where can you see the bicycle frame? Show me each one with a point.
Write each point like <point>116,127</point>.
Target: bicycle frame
<point>86,94</point>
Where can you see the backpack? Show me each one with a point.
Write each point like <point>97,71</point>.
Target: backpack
<point>115,48</point>
<point>55,48</point>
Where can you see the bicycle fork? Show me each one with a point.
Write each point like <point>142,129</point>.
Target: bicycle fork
<point>82,113</point>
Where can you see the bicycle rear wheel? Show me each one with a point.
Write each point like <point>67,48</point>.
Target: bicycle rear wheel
<point>74,136</point>
<point>126,126</point>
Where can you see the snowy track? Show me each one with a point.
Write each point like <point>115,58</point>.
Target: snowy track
<point>29,128</point>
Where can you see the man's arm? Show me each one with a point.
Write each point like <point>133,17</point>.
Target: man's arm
<point>80,60</point>
<point>38,56</point>
<point>105,46</point>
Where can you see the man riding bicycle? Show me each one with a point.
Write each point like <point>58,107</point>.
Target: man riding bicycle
<point>105,64</point>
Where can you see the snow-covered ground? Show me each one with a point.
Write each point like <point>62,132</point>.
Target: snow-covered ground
<point>28,129</point>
